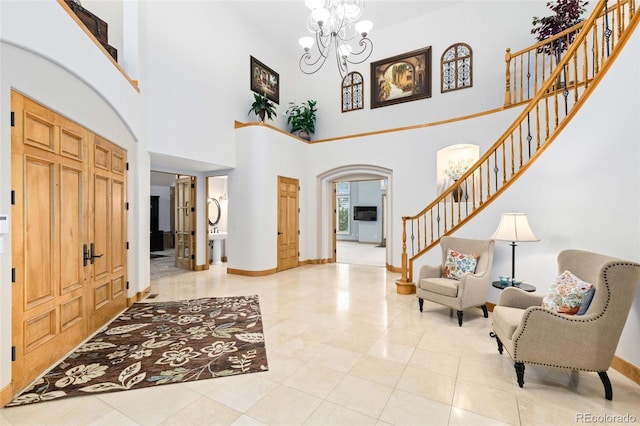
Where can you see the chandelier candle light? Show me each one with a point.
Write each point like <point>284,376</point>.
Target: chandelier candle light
<point>334,24</point>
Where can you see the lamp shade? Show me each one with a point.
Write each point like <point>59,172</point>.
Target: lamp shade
<point>514,227</point>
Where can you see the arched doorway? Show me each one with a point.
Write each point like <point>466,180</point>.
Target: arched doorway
<point>354,172</point>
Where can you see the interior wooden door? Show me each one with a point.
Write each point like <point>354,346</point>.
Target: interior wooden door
<point>70,191</point>
<point>185,222</point>
<point>108,231</point>
<point>288,218</point>
<point>49,161</point>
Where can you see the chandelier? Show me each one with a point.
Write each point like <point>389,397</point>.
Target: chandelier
<point>334,24</point>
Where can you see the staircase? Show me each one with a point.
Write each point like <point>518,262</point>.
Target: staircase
<point>552,91</point>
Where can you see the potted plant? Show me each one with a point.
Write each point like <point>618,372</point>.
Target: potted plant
<point>302,118</point>
<point>262,106</point>
<point>567,13</point>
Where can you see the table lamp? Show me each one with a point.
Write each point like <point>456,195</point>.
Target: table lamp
<point>514,227</point>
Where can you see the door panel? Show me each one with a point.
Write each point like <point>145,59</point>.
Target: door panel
<point>108,231</point>
<point>50,183</point>
<point>288,237</point>
<point>185,222</point>
<point>61,205</point>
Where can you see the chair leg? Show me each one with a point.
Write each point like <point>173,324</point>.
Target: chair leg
<point>500,347</point>
<point>420,304</point>
<point>608,392</point>
<point>484,311</point>
<point>459,318</point>
<point>520,373</point>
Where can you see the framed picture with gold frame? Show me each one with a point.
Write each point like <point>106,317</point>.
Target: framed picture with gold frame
<point>401,78</point>
<point>265,81</point>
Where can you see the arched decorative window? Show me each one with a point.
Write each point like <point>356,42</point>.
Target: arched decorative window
<point>352,92</point>
<point>456,67</point>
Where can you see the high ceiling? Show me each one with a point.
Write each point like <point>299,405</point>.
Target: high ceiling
<point>285,20</point>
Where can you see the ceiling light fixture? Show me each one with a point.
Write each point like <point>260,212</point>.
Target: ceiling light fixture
<point>334,24</point>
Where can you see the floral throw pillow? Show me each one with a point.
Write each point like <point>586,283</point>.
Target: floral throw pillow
<point>457,264</point>
<point>567,294</point>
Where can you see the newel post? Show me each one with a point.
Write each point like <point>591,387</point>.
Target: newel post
<point>507,94</point>
<point>403,285</point>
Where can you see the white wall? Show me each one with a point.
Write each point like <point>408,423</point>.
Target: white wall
<point>503,24</point>
<point>164,205</point>
<point>197,81</point>
<point>262,156</point>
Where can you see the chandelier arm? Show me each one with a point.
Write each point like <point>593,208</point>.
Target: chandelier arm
<point>309,67</point>
<point>322,43</point>
<point>341,61</point>
<point>367,49</point>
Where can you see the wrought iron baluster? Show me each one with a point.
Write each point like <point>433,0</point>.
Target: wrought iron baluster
<point>413,247</point>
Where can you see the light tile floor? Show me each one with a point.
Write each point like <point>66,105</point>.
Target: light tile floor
<point>344,349</point>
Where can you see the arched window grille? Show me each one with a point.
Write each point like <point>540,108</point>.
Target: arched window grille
<point>457,67</point>
<point>352,92</point>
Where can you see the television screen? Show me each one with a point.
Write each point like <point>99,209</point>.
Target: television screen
<point>367,213</point>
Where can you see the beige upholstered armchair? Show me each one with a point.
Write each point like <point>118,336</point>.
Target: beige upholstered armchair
<point>469,289</point>
<point>537,335</point>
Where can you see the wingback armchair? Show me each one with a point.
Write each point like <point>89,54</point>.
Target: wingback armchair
<point>537,335</point>
<point>470,290</point>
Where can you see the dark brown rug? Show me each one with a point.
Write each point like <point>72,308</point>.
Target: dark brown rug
<point>152,344</point>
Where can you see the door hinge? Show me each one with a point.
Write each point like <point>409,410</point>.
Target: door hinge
<point>193,257</point>
<point>127,245</point>
<point>13,353</point>
<point>126,205</point>
<point>298,209</point>
<point>193,233</point>
<point>193,185</point>
<point>13,275</point>
<point>13,119</point>
<point>126,165</point>
<point>298,232</point>
<point>13,197</point>
<point>127,285</point>
<point>193,209</point>
<point>298,254</point>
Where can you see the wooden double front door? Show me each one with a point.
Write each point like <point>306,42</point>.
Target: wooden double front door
<point>69,231</point>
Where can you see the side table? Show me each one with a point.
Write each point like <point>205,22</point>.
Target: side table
<point>526,287</point>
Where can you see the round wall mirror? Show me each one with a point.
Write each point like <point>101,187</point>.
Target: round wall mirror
<point>214,211</point>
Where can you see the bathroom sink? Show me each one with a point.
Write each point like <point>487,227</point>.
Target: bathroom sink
<point>217,236</point>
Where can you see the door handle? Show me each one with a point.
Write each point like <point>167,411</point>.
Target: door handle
<point>93,256</point>
<point>85,255</point>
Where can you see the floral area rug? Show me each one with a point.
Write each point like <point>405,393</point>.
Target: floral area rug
<point>152,344</point>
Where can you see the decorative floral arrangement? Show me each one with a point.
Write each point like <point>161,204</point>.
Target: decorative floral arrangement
<point>458,167</point>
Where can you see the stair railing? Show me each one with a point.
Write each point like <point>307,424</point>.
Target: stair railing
<point>528,69</point>
<point>543,118</point>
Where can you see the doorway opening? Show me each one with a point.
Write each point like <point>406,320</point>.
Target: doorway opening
<point>172,220</point>
<point>328,221</point>
<point>360,222</point>
<point>217,219</point>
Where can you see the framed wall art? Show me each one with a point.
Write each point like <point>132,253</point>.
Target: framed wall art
<point>265,81</point>
<point>401,78</point>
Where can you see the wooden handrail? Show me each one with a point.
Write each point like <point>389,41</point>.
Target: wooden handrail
<point>537,126</point>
